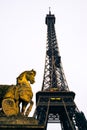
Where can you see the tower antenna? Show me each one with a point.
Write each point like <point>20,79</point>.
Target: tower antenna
<point>49,10</point>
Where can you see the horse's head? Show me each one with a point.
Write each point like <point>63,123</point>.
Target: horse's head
<point>26,76</point>
<point>30,75</point>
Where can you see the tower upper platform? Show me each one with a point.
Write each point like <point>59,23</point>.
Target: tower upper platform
<point>50,18</point>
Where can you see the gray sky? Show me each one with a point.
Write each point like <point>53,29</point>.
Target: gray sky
<point>23,41</point>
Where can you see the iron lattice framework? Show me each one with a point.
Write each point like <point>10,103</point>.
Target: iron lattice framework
<point>53,73</point>
<point>55,103</point>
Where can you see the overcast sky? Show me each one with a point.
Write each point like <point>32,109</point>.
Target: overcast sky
<point>23,42</point>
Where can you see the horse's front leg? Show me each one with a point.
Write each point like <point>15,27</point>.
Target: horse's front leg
<point>29,108</point>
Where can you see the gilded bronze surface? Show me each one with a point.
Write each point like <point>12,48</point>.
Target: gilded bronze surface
<point>13,95</point>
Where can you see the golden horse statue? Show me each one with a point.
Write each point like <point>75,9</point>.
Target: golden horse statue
<point>19,93</point>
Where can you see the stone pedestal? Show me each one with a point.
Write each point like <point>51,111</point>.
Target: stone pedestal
<point>19,123</point>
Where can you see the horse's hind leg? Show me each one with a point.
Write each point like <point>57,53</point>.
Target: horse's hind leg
<point>24,104</point>
<point>29,108</point>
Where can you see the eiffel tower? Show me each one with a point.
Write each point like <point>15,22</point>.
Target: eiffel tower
<point>55,102</point>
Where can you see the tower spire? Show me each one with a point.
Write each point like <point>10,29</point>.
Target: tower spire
<point>54,77</point>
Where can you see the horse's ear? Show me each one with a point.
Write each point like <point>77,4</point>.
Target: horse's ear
<point>33,71</point>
